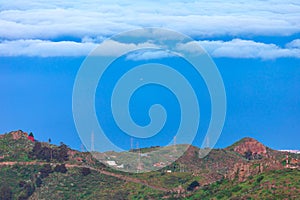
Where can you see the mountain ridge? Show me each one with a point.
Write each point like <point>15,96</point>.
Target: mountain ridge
<point>186,177</point>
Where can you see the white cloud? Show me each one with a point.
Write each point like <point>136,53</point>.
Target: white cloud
<point>67,48</point>
<point>148,55</point>
<point>238,48</point>
<point>41,19</point>
<point>294,44</point>
<point>42,48</point>
<point>115,48</point>
<point>190,47</point>
<point>60,28</point>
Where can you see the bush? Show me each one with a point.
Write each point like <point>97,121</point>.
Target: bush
<point>22,184</point>
<point>39,152</point>
<point>29,189</point>
<point>38,182</point>
<point>60,168</point>
<point>193,185</point>
<point>47,153</point>
<point>259,179</point>
<point>85,171</point>
<point>248,155</point>
<point>5,193</point>
<point>46,170</point>
<point>63,153</point>
<point>236,188</point>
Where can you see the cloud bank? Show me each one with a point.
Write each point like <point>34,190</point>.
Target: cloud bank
<point>43,48</point>
<point>44,20</point>
<point>65,28</point>
<point>236,48</point>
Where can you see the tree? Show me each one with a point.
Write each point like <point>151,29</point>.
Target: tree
<point>5,193</point>
<point>248,155</point>
<point>193,185</point>
<point>46,170</point>
<point>47,154</point>
<point>85,171</point>
<point>61,168</point>
<point>63,152</point>
<point>28,190</point>
<point>38,182</point>
<point>259,179</point>
<point>41,152</point>
<point>36,150</point>
<point>22,184</point>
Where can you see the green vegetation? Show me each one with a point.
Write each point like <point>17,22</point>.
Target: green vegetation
<point>167,180</point>
<point>37,170</point>
<point>48,153</point>
<point>15,150</point>
<point>279,184</point>
<point>42,182</point>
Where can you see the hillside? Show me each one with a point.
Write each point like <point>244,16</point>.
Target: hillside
<point>245,170</point>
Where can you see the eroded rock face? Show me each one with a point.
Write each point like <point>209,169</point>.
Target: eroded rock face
<point>18,134</point>
<point>241,171</point>
<point>257,160</point>
<point>251,145</point>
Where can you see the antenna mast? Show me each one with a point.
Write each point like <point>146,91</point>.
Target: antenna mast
<point>139,166</point>
<point>92,141</point>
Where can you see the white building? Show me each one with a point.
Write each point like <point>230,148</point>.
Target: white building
<point>111,163</point>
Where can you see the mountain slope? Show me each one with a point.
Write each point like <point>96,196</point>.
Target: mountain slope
<point>39,170</point>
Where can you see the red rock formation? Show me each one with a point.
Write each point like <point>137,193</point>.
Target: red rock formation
<point>252,145</point>
<point>18,134</point>
<point>242,171</point>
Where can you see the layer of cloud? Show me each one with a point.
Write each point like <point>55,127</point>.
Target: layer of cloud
<point>294,44</point>
<point>67,28</point>
<point>39,19</point>
<point>42,48</point>
<point>47,48</point>
<point>149,55</point>
<point>236,48</point>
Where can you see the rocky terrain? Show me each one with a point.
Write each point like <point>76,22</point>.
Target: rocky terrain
<point>245,170</point>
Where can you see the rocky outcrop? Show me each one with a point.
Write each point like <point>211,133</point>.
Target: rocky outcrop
<point>241,171</point>
<point>250,145</point>
<point>16,135</point>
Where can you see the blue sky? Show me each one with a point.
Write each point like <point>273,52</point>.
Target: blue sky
<point>256,47</point>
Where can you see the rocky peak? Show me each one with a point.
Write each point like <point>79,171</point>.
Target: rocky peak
<point>16,135</point>
<point>249,145</point>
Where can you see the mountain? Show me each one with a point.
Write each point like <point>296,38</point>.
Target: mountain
<point>245,170</point>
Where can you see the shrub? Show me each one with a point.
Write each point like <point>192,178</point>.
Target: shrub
<point>236,188</point>
<point>85,171</point>
<point>5,193</point>
<point>248,155</point>
<point>29,189</point>
<point>38,182</point>
<point>61,168</point>
<point>46,170</point>
<point>47,153</point>
<point>193,185</point>
<point>63,153</point>
<point>22,184</point>
<point>259,179</point>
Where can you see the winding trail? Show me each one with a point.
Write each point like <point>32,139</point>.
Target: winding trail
<point>120,176</point>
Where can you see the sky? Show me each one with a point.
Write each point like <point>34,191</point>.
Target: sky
<point>255,46</point>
